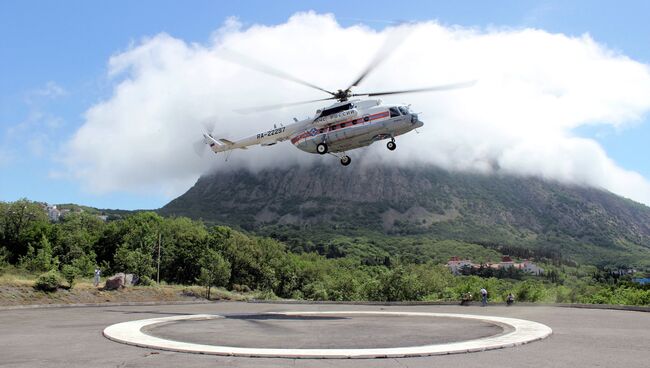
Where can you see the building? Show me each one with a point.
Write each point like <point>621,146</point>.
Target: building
<point>506,262</point>
<point>53,213</point>
<point>455,264</point>
<point>530,267</point>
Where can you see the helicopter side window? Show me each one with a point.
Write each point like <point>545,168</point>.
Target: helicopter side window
<point>403,110</point>
<point>394,112</point>
<point>336,109</point>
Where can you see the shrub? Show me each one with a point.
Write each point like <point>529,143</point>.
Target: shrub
<point>70,273</point>
<point>146,281</point>
<point>241,288</point>
<point>266,295</point>
<point>3,259</point>
<point>530,291</point>
<point>48,282</point>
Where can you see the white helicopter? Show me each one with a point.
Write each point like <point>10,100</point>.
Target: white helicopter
<point>335,129</point>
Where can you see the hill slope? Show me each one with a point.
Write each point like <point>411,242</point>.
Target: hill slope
<point>587,224</point>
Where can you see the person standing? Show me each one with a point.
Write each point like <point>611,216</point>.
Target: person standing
<point>484,295</point>
<point>98,273</point>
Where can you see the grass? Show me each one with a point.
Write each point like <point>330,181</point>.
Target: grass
<point>12,276</point>
<point>16,288</point>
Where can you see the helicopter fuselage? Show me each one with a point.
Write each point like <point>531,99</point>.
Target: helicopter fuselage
<point>362,124</point>
<point>340,127</point>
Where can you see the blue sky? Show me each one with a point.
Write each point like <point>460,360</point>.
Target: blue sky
<point>54,63</point>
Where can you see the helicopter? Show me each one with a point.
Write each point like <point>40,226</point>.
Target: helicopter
<point>345,125</point>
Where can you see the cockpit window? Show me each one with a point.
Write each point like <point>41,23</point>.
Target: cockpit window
<point>404,110</point>
<point>394,112</point>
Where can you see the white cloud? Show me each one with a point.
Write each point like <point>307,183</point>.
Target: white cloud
<point>50,90</point>
<point>534,89</point>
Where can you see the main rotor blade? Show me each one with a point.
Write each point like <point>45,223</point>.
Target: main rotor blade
<point>209,125</point>
<point>249,110</point>
<point>445,87</point>
<point>394,40</point>
<point>247,62</point>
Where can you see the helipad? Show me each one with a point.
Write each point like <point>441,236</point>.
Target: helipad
<point>505,332</point>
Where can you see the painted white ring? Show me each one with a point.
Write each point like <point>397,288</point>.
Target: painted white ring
<point>523,332</point>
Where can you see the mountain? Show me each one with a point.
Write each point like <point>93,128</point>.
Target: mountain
<point>585,224</point>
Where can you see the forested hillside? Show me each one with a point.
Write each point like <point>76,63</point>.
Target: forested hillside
<point>340,268</point>
<point>309,204</point>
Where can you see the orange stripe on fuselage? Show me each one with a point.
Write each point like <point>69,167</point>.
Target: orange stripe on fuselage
<point>341,125</point>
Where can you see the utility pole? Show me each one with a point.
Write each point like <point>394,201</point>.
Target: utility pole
<point>158,273</point>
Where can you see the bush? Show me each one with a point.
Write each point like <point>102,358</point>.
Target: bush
<point>3,259</point>
<point>70,273</point>
<point>266,295</point>
<point>241,288</point>
<point>146,281</point>
<point>48,282</point>
<point>530,291</point>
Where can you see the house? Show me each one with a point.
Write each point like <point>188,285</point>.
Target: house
<point>530,267</point>
<point>53,213</point>
<point>455,264</point>
<point>506,262</point>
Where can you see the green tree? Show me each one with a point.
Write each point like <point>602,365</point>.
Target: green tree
<point>399,285</point>
<point>40,260</point>
<point>21,223</point>
<point>183,243</point>
<point>134,261</point>
<point>75,236</point>
<point>215,270</point>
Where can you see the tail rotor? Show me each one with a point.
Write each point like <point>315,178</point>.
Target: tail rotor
<point>202,144</point>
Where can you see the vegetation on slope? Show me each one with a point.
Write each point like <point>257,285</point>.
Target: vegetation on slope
<point>341,268</point>
<point>309,204</point>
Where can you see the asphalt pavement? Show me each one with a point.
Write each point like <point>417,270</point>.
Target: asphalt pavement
<point>72,337</point>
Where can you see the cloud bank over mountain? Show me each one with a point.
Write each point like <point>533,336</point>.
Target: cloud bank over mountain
<point>534,89</point>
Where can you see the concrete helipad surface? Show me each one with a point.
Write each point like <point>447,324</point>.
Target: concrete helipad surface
<point>72,337</point>
<point>335,326</point>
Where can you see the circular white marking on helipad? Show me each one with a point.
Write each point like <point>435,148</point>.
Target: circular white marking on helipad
<point>523,332</point>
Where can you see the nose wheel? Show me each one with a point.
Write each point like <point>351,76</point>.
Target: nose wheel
<point>346,160</point>
<point>391,145</point>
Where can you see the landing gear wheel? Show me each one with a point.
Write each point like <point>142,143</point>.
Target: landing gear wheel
<point>391,145</point>
<point>345,160</point>
<point>322,148</point>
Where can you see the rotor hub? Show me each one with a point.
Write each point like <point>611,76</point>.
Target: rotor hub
<point>342,95</point>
